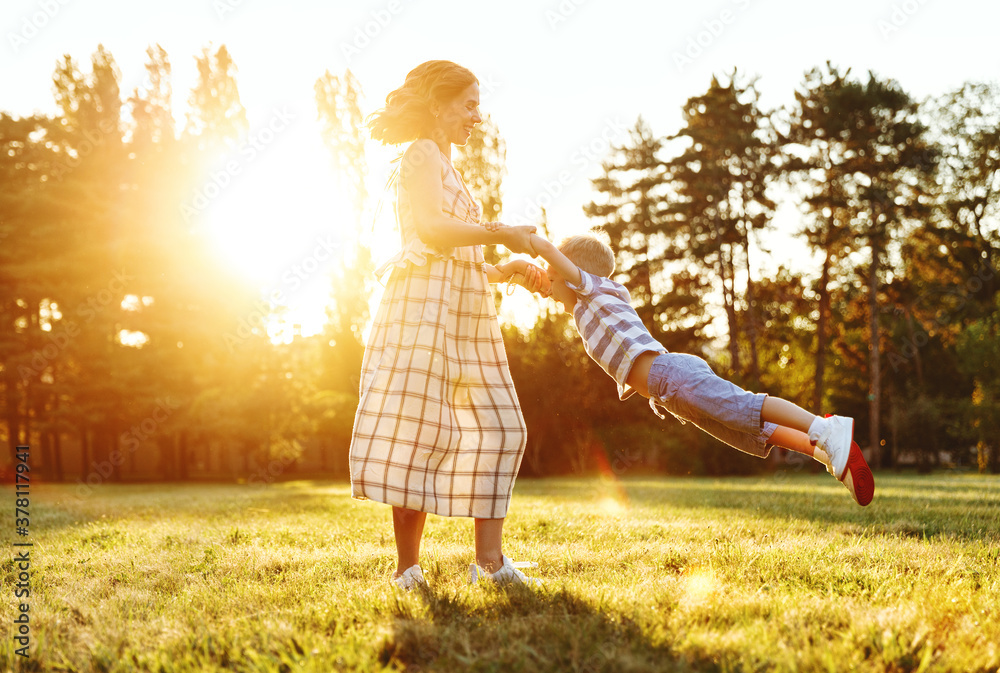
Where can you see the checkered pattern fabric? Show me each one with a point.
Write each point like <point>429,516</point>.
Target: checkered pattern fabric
<point>612,331</point>
<point>438,428</point>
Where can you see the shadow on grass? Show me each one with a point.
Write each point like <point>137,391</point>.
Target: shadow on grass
<point>516,629</point>
<point>965,507</point>
<point>904,506</point>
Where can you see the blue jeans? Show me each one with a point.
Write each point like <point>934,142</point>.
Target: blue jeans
<point>687,387</point>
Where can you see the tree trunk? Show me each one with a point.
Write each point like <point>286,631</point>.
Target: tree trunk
<point>917,361</point>
<point>114,454</point>
<point>13,403</point>
<point>647,277</point>
<point>57,456</point>
<point>85,453</point>
<point>874,375</point>
<point>46,467</point>
<point>182,443</point>
<point>28,409</point>
<point>729,299</point>
<point>824,309</point>
<point>163,442</point>
<point>751,317</point>
<point>752,329</point>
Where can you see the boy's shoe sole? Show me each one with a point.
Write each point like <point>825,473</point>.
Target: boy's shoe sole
<point>858,477</point>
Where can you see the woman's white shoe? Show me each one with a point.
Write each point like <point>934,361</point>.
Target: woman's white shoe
<point>506,575</point>
<point>410,578</point>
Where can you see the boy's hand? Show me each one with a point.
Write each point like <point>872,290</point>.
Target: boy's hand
<point>527,275</point>
<point>534,279</point>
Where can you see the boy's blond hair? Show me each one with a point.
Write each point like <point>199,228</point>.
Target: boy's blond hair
<point>590,254</point>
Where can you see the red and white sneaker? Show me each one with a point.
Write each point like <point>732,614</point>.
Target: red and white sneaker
<point>847,463</point>
<point>858,477</point>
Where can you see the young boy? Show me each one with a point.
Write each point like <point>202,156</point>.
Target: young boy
<point>684,384</point>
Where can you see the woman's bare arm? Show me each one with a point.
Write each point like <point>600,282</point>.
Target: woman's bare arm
<point>420,176</point>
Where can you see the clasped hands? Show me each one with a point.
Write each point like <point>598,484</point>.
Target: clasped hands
<point>517,239</point>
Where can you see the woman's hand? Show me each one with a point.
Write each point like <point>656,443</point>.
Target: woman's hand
<point>518,239</point>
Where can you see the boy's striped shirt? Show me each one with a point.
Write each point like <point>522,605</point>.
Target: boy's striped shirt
<point>611,329</point>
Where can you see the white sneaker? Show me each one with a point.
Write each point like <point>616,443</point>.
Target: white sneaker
<point>410,578</point>
<point>506,575</point>
<point>846,462</point>
<point>835,439</point>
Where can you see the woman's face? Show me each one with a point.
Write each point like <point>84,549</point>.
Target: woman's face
<point>457,118</point>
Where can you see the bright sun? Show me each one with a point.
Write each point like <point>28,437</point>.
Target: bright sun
<point>281,219</point>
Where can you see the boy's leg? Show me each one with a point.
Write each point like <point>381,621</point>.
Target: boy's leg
<point>834,435</point>
<point>687,387</point>
<point>797,441</point>
<point>784,413</point>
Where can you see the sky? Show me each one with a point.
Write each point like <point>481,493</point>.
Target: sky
<point>562,79</point>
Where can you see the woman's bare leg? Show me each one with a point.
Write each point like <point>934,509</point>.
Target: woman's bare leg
<point>489,533</point>
<point>408,524</point>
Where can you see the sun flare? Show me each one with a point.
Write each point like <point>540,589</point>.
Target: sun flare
<point>281,220</point>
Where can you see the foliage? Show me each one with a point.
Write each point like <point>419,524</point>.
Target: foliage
<point>631,210</point>
<point>723,176</point>
<point>114,308</point>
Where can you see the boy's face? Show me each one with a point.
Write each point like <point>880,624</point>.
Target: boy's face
<point>560,292</point>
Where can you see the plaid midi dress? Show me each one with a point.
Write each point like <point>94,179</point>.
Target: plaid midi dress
<point>438,428</point>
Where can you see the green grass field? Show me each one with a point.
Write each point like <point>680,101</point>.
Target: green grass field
<point>648,574</point>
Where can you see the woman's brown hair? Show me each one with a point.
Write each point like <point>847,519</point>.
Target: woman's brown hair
<point>407,113</point>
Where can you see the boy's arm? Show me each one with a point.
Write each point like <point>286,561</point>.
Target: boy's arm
<point>560,262</point>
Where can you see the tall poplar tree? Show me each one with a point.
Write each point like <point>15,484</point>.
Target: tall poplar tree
<point>338,101</point>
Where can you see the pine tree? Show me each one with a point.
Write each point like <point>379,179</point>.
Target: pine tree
<point>815,145</point>
<point>632,211</point>
<point>722,181</point>
<point>887,162</point>
<point>968,217</point>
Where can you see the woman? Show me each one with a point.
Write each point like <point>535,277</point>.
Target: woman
<point>439,428</point>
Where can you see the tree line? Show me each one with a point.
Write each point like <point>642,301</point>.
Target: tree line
<point>898,201</point>
<point>127,351</point>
